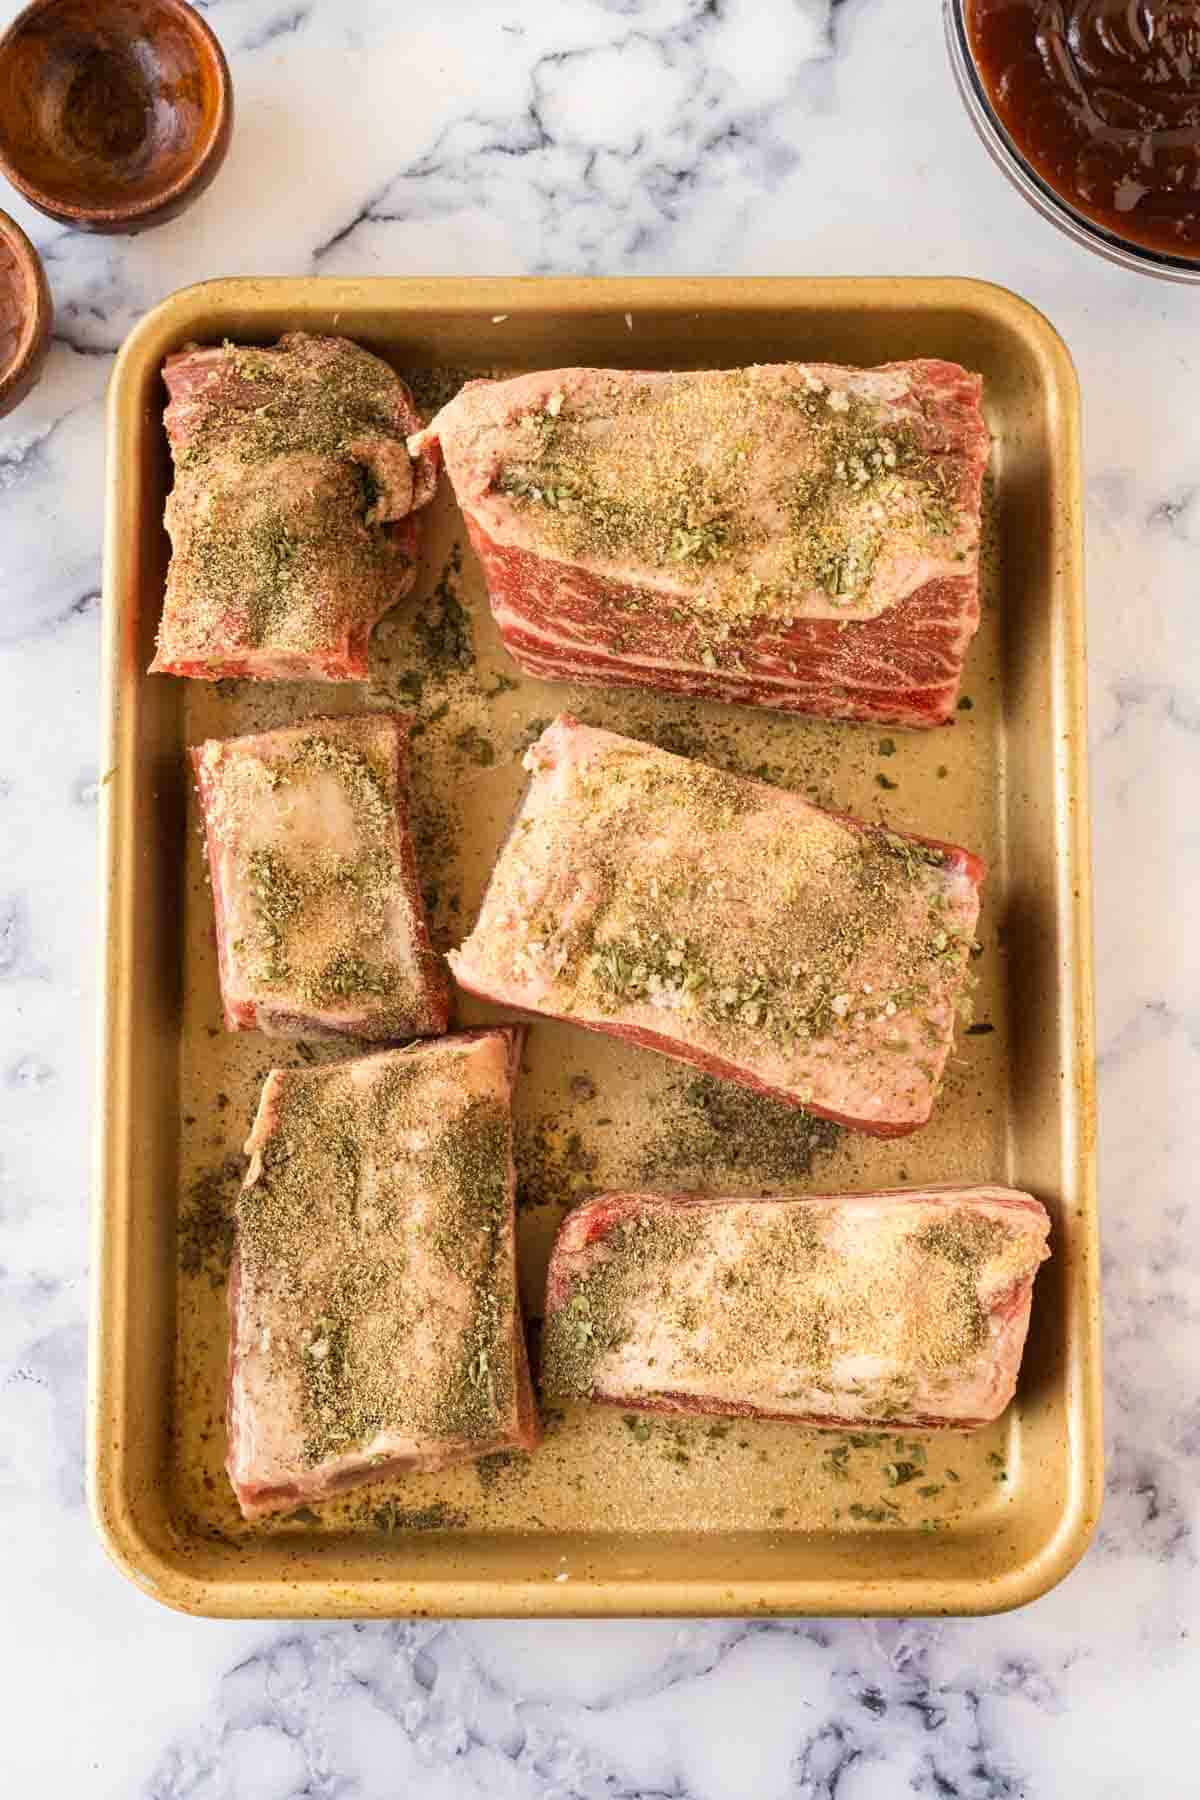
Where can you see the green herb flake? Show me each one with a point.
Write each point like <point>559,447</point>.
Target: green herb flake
<point>436,1517</point>
<point>897,1474</point>
<point>580,1320</point>
<point>874,1515</point>
<point>205,1239</point>
<point>837,1461</point>
<point>442,626</point>
<point>475,747</point>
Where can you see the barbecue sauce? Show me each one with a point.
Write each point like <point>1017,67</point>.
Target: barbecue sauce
<point>1102,97</point>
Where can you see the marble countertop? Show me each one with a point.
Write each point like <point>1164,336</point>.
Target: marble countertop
<point>610,136</point>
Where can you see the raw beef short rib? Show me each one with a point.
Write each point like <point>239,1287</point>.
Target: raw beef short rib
<point>375,1321</point>
<point>292,519</point>
<point>320,926</point>
<point>902,1308</point>
<point>730,924</point>
<point>793,535</point>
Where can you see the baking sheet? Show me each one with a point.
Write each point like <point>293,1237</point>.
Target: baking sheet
<point>616,1513</point>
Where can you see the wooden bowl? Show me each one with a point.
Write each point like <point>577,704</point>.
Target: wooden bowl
<point>114,114</point>
<point>26,315</point>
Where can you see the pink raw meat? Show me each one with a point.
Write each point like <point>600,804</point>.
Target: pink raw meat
<point>320,925</point>
<point>901,1308</point>
<point>292,519</point>
<point>795,535</point>
<point>375,1320</point>
<point>729,924</point>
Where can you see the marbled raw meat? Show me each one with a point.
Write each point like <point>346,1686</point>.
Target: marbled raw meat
<point>794,535</point>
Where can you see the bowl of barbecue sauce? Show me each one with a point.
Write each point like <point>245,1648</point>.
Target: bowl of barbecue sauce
<point>1092,109</point>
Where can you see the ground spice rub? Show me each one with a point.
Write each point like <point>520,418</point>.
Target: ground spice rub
<point>730,924</point>
<point>711,1134</point>
<point>375,1317</point>
<point>666,472</point>
<point>904,1308</point>
<point>320,925</point>
<point>292,516</point>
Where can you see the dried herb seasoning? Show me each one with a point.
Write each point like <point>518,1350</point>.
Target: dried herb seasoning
<point>828,907</point>
<point>501,1467</point>
<point>555,1162</point>
<point>434,387</point>
<point>349,1319</point>
<point>319,929</point>
<point>667,474</point>
<point>392,1517</point>
<point>442,625</point>
<point>289,462</point>
<point>205,1233</point>
<point>709,1130</point>
<point>475,747</point>
<point>695,1285</point>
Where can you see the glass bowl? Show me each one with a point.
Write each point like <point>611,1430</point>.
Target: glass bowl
<point>1005,153</point>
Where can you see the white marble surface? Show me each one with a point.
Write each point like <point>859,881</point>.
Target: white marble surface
<point>765,136</point>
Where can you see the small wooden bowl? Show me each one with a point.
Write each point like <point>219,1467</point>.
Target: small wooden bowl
<point>26,315</point>
<point>114,114</point>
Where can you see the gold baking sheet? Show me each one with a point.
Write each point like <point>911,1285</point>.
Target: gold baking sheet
<point>615,1514</point>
